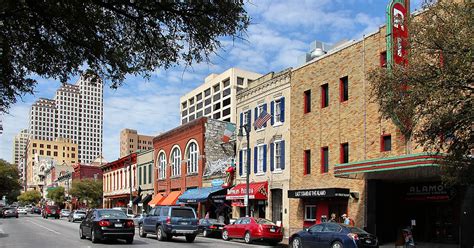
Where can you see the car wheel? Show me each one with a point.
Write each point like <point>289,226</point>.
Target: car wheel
<point>225,235</point>
<point>190,238</point>
<point>81,235</point>
<point>94,239</point>
<point>205,233</point>
<point>248,238</point>
<point>160,234</point>
<point>129,240</point>
<point>69,220</point>
<point>336,244</point>
<point>296,243</point>
<point>141,233</point>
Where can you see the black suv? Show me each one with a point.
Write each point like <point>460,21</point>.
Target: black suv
<point>169,221</point>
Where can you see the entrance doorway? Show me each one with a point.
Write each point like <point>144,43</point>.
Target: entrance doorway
<point>277,202</point>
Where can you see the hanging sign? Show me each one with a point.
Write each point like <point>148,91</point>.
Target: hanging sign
<point>397,32</point>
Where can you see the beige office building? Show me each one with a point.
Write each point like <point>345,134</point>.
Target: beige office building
<point>131,141</point>
<point>215,98</point>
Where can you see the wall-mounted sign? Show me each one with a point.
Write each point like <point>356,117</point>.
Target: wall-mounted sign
<point>428,191</point>
<point>318,193</point>
<point>397,32</point>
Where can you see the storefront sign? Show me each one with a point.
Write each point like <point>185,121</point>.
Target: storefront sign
<point>397,32</point>
<point>323,193</point>
<point>428,191</point>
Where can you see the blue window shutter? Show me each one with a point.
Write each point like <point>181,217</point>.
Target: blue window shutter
<point>249,118</point>
<point>248,161</point>
<point>272,112</point>
<point>255,159</point>
<point>256,114</point>
<point>272,154</point>
<point>282,154</point>
<point>282,108</point>
<point>240,160</point>
<point>241,119</point>
<point>265,158</point>
<point>265,110</point>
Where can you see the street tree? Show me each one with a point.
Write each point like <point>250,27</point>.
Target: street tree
<point>431,98</point>
<point>9,181</point>
<point>57,195</point>
<point>112,38</point>
<point>30,197</point>
<point>89,190</point>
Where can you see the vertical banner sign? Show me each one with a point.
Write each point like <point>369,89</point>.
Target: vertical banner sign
<point>397,32</point>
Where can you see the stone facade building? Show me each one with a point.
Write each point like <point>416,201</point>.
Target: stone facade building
<point>146,179</point>
<point>269,149</point>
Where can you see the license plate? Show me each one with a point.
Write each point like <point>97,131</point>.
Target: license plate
<point>184,223</point>
<point>119,225</point>
<point>272,230</point>
<point>184,231</point>
<point>368,241</point>
<point>221,228</point>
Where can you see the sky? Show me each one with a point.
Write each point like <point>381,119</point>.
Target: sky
<point>280,32</point>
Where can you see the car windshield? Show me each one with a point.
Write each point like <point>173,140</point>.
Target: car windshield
<point>264,222</point>
<point>212,221</point>
<point>182,212</point>
<point>357,230</point>
<point>80,212</point>
<point>112,214</point>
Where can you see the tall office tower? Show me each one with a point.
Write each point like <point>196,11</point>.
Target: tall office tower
<point>19,146</point>
<point>131,141</point>
<point>215,98</point>
<point>76,113</point>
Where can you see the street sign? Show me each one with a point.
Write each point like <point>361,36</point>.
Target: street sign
<point>246,200</point>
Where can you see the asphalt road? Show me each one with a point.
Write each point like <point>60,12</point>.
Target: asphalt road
<point>32,231</point>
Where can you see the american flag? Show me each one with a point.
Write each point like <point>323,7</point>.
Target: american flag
<point>261,120</point>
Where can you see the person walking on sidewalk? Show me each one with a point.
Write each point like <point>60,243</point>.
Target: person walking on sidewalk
<point>333,218</point>
<point>347,220</point>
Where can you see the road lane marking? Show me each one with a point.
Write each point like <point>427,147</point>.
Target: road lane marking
<point>51,230</point>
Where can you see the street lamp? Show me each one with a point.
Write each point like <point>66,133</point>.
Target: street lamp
<point>246,128</point>
<point>130,178</point>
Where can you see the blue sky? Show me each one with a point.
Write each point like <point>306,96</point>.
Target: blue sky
<point>280,32</point>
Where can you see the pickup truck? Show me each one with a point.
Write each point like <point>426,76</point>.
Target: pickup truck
<point>169,221</point>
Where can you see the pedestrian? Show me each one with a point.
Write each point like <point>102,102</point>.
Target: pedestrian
<point>347,220</point>
<point>207,215</point>
<point>333,218</point>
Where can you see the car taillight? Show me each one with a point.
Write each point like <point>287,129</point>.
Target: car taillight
<point>129,223</point>
<point>168,220</point>
<point>104,223</point>
<point>212,227</point>
<point>353,236</point>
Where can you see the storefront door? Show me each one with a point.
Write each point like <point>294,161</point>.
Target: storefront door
<point>277,205</point>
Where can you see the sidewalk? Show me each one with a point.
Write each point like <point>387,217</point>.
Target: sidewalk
<point>422,245</point>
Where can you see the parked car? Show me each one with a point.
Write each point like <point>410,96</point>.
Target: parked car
<point>333,235</point>
<point>210,227</point>
<point>251,229</point>
<point>138,219</point>
<point>36,210</point>
<point>29,208</point>
<point>169,221</point>
<point>9,212</point>
<point>50,211</point>
<point>102,224</point>
<point>76,215</point>
<point>22,210</point>
<point>65,213</point>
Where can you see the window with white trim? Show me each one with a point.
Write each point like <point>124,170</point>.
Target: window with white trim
<point>260,159</point>
<point>176,162</point>
<point>277,111</point>
<point>192,158</point>
<point>277,154</point>
<point>244,162</point>
<point>245,120</point>
<point>162,166</point>
<point>310,212</point>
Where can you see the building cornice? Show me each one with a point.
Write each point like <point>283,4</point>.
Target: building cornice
<point>264,83</point>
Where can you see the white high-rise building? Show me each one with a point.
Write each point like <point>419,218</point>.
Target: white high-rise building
<point>19,146</point>
<point>76,113</point>
<point>215,98</point>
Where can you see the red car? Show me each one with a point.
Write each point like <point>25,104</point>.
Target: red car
<point>253,229</point>
<point>50,211</point>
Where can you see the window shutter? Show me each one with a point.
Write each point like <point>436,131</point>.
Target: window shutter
<point>256,114</point>
<point>282,154</point>
<point>272,112</point>
<point>255,169</point>
<point>240,159</point>
<point>265,158</point>
<point>272,154</point>
<point>249,119</point>
<point>282,108</point>
<point>241,119</point>
<point>265,110</point>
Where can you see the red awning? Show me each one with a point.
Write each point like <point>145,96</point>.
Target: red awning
<point>257,191</point>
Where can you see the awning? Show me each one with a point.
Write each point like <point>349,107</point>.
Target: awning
<point>199,194</point>
<point>319,193</point>
<point>137,199</point>
<point>146,199</point>
<point>170,199</point>
<point>156,200</point>
<point>257,191</point>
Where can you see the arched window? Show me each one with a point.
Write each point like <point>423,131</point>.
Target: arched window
<point>162,166</point>
<point>176,162</point>
<point>192,153</point>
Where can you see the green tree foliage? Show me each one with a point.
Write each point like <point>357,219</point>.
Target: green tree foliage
<point>9,181</point>
<point>431,99</point>
<point>89,190</point>
<point>30,197</point>
<point>57,195</point>
<point>113,38</point>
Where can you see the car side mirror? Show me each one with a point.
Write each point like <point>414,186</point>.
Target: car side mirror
<point>307,230</point>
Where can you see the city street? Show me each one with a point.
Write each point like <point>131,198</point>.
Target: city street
<point>34,231</point>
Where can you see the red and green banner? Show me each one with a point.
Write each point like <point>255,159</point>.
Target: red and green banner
<point>398,12</point>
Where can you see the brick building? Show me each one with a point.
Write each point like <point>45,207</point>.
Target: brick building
<point>192,157</point>
<point>117,181</point>
<point>83,171</point>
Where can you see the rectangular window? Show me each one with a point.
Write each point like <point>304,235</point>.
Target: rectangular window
<point>240,81</point>
<point>226,102</point>
<point>150,167</point>
<point>324,95</point>
<point>307,101</point>
<point>207,102</point>
<point>344,88</point>
<point>48,153</point>
<point>383,59</point>
<point>207,92</point>
<point>307,162</point>
<point>277,153</point>
<point>260,159</point>
<point>344,153</point>
<point>226,83</point>
<point>386,143</point>
<point>277,112</point>
<point>216,88</point>
<point>226,112</point>
<point>139,175</point>
<point>324,159</point>
<point>310,212</point>
<point>198,97</point>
